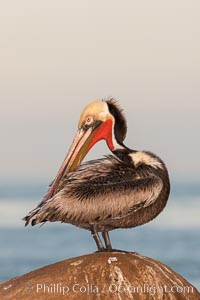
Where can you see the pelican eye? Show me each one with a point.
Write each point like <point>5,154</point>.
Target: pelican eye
<point>89,120</point>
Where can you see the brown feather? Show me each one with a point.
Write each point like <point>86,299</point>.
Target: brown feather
<point>107,193</point>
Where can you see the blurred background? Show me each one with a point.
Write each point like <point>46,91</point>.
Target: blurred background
<point>56,56</point>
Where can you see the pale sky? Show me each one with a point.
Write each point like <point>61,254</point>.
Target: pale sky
<point>57,56</point>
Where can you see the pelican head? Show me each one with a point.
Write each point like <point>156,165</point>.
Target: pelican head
<point>100,120</point>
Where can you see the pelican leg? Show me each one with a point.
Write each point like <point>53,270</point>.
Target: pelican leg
<point>107,240</point>
<point>97,239</point>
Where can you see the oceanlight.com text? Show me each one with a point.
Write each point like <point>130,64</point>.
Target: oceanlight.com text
<point>59,288</point>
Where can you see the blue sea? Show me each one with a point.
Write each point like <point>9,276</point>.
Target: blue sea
<point>173,237</point>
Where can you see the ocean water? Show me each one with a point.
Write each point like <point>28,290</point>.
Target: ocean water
<point>173,238</point>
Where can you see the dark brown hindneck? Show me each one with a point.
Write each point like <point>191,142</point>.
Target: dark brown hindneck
<point>123,154</point>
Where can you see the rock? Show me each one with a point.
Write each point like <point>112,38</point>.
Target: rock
<point>102,275</point>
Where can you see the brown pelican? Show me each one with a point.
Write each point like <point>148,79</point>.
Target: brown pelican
<point>122,190</point>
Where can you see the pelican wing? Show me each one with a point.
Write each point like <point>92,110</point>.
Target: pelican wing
<point>98,191</point>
